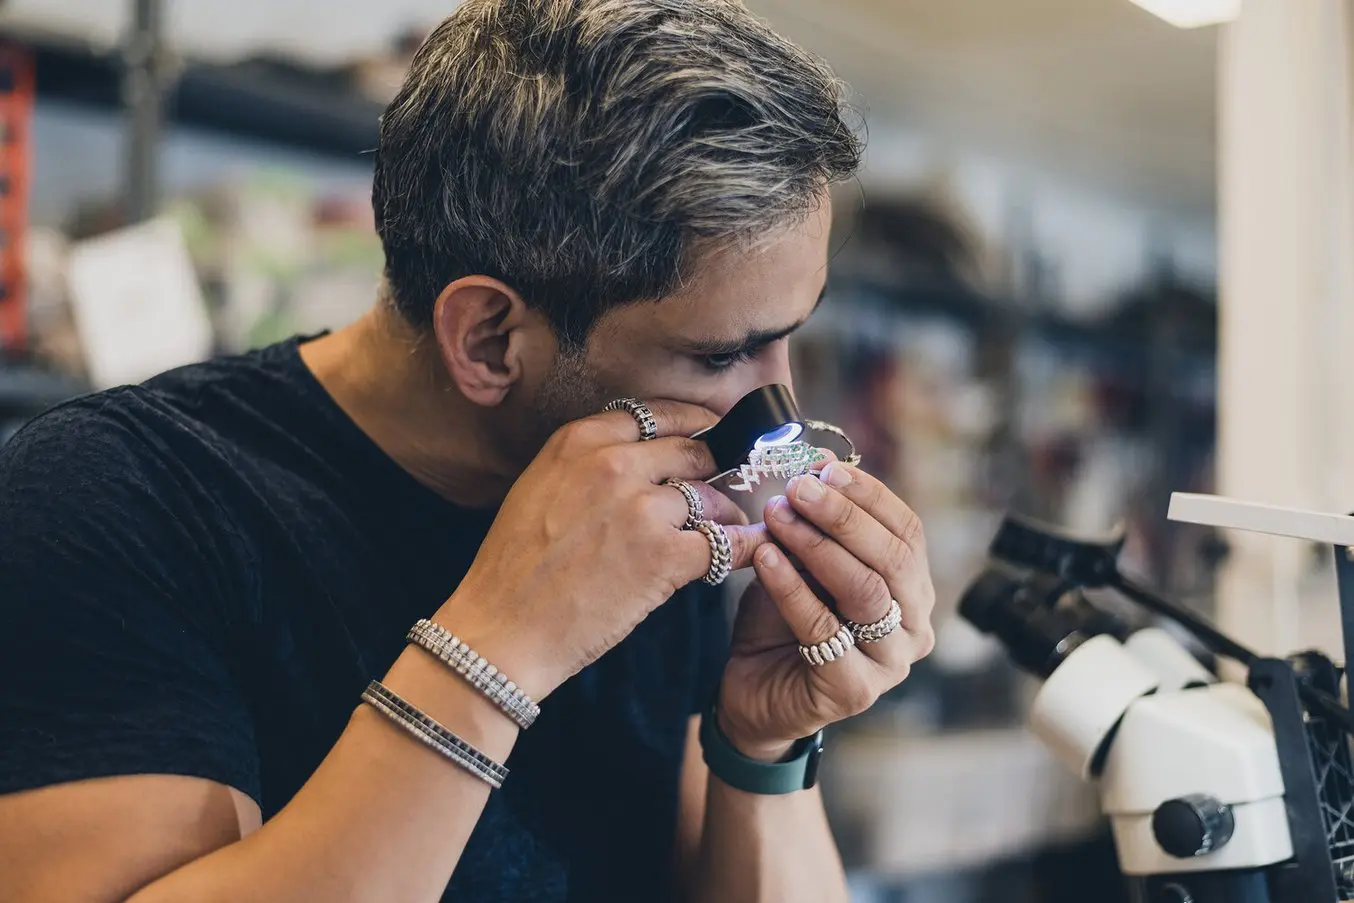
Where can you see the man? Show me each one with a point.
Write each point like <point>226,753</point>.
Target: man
<point>579,200</point>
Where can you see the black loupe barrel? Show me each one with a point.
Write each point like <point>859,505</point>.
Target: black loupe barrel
<point>768,414</point>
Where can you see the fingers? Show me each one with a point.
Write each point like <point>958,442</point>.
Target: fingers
<point>893,545</point>
<point>686,459</point>
<point>714,505</point>
<point>745,540</point>
<point>673,418</point>
<point>899,558</point>
<point>859,591</point>
<point>809,619</point>
<point>859,534</point>
<point>878,501</point>
<point>693,549</point>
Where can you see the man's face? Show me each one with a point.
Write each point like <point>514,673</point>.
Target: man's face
<point>722,335</point>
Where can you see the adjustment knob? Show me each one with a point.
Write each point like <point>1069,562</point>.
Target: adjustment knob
<point>1194,825</point>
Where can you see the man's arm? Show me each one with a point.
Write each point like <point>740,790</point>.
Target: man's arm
<point>738,847</point>
<point>383,818</point>
<point>97,720</point>
<point>127,831</point>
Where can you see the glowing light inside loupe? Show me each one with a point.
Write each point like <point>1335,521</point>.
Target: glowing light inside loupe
<point>781,435</point>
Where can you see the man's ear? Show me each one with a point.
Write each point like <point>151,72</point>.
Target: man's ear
<point>478,322</point>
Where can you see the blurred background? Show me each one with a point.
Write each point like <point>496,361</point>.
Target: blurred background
<point>1024,309</point>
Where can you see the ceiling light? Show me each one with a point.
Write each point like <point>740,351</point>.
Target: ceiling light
<point>1192,13</point>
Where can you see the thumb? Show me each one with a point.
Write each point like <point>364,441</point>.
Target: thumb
<point>744,540</point>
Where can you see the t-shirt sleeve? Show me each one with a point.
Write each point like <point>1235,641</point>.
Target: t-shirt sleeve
<point>114,584</point>
<point>712,633</point>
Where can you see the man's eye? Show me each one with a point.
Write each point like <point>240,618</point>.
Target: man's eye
<point>719,362</point>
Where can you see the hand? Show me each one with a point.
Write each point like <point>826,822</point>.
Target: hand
<point>860,547</point>
<point>588,543</point>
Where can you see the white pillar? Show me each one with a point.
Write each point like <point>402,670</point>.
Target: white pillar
<point>1286,343</point>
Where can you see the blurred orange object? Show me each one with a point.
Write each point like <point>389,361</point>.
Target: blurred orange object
<point>16,113</point>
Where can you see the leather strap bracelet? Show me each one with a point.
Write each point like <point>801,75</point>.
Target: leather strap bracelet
<point>798,771</point>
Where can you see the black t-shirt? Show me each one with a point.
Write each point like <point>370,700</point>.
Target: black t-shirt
<point>199,575</point>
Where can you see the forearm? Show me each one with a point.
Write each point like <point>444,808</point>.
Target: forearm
<point>382,818</point>
<point>758,848</point>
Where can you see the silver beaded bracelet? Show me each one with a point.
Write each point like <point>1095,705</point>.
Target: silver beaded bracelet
<point>434,735</point>
<point>481,675</point>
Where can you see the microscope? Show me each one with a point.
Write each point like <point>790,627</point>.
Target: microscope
<point>1216,792</point>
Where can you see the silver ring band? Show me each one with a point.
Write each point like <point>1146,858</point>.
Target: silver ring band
<point>648,426</point>
<point>830,649</point>
<point>721,553</point>
<point>877,630</point>
<point>695,505</point>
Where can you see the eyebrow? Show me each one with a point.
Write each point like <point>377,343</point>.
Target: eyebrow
<point>753,340</point>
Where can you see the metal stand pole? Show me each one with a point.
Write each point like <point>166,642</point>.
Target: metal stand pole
<point>1344,576</point>
<point>144,85</point>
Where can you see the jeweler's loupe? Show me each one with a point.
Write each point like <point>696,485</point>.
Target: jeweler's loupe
<point>763,418</point>
<point>764,438</point>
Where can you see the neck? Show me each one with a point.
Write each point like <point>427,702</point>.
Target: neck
<point>391,382</point>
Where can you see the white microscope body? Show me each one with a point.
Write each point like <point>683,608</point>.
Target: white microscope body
<point>1187,768</point>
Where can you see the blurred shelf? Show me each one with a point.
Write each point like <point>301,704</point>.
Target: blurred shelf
<point>948,802</point>
<point>264,101</point>
<point>1119,338</point>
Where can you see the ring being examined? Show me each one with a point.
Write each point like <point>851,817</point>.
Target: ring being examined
<point>721,552</point>
<point>877,630</point>
<point>695,505</point>
<point>830,649</point>
<point>648,426</point>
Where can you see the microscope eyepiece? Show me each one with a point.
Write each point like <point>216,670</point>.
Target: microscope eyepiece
<point>1036,616</point>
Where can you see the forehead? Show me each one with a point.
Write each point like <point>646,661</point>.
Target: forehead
<point>733,291</point>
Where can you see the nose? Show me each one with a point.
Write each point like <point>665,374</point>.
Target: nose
<point>775,366</point>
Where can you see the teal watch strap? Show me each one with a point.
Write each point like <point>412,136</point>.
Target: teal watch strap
<point>799,771</point>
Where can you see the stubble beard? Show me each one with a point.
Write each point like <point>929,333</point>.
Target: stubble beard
<point>570,392</point>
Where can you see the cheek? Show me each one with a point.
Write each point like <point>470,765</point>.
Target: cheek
<point>652,374</point>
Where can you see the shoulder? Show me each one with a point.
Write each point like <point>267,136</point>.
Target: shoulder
<point>163,433</point>
<point>107,481</point>
<point>97,444</point>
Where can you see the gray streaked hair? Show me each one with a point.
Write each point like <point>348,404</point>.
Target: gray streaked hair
<point>587,152</point>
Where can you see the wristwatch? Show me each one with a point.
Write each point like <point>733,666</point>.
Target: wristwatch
<point>797,771</point>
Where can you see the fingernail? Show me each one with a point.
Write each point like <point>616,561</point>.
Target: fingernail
<point>781,510</point>
<point>809,489</point>
<point>837,475</point>
<point>769,556</point>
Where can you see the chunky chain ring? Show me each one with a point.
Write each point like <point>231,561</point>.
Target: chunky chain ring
<point>695,505</point>
<point>877,630</point>
<point>648,426</point>
<point>830,649</point>
<point>721,553</point>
